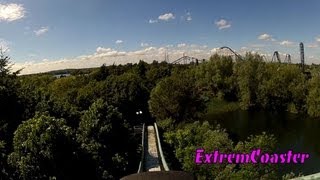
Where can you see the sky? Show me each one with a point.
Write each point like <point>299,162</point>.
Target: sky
<point>48,35</point>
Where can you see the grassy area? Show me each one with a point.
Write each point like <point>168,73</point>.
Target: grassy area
<point>217,106</point>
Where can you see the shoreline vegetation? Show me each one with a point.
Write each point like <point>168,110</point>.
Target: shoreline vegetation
<point>217,106</point>
<point>47,120</point>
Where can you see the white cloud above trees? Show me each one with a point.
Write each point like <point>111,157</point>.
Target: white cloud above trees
<point>11,12</point>
<point>166,17</point>
<point>223,24</point>
<point>41,31</point>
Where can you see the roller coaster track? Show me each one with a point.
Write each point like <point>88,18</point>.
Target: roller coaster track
<point>236,54</point>
<point>185,60</point>
<point>276,56</point>
<point>288,58</point>
<point>152,158</point>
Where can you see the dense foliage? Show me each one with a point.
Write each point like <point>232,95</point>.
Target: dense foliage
<point>43,148</point>
<point>194,136</point>
<point>176,97</point>
<point>81,126</point>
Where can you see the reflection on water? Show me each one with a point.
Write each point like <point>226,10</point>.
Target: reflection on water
<point>298,133</point>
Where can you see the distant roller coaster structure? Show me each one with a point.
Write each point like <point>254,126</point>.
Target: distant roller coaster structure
<point>288,58</point>
<point>185,60</point>
<point>236,54</point>
<point>302,56</point>
<point>276,57</point>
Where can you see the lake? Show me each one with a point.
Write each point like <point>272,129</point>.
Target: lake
<point>295,132</point>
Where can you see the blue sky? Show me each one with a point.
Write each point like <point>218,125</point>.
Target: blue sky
<point>45,35</point>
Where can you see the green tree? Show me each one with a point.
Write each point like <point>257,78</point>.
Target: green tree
<point>191,137</point>
<point>103,133</point>
<point>11,109</point>
<point>141,68</point>
<point>249,73</point>
<point>313,98</point>
<point>128,92</point>
<point>156,73</point>
<point>32,92</point>
<point>62,100</point>
<point>267,144</point>
<point>176,97</point>
<point>88,94</point>
<point>281,88</point>
<point>101,74</point>
<point>44,147</point>
<point>3,161</point>
<point>216,79</point>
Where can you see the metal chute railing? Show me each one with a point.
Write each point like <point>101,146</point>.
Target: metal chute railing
<point>141,164</point>
<point>163,161</point>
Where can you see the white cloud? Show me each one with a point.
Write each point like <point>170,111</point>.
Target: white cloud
<point>151,21</point>
<point>266,37</point>
<point>32,55</point>
<point>162,49</point>
<point>41,31</point>
<point>119,41</point>
<point>257,45</point>
<point>166,17</point>
<point>223,24</point>
<point>266,55</point>
<point>198,50</point>
<point>312,45</point>
<point>187,17</point>
<point>144,44</point>
<point>11,12</point>
<point>149,49</point>
<point>198,46</point>
<point>181,45</point>
<point>143,51</point>
<point>214,50</point>
<point>286,43</point>
<point>108,52</point>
